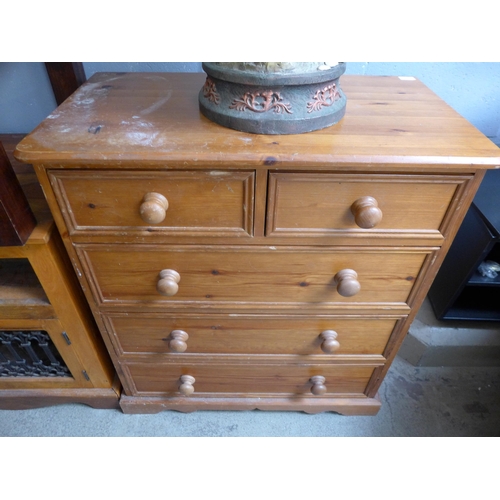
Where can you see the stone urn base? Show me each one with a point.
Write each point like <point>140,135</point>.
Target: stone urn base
<point>286,101</point>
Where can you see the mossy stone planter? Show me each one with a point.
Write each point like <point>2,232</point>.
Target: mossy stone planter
<point>279,102</point>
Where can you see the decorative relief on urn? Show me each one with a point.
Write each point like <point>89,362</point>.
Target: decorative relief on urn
<point>323,97</point>
<point>210,92</point>
<point>260,102</point>
<point>273,97</point>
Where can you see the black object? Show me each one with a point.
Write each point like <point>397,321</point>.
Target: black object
<point>459,291</point>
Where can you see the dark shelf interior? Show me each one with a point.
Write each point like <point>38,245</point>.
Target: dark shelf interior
<point>476,303</point>
<point>459,291</point>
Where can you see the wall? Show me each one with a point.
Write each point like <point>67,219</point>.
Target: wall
<point>26,96</point>
<point>472,89</point>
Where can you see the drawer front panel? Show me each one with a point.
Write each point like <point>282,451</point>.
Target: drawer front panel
<point>165,379</point>
<point>243,276</point>
<point>198,202</point>
<point>302,204</point>
<point>212,334</point>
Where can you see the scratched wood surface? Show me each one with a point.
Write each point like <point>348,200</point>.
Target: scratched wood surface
<point>133,118</point>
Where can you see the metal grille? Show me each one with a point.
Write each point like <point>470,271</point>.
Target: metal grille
<point>30,354</point>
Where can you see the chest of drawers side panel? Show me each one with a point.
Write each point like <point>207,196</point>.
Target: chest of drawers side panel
<point>460,206</point>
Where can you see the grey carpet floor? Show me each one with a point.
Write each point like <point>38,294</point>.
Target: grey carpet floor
<point>416,401</point>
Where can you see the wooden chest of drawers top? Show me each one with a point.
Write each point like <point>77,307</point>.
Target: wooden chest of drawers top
<point>126,119</point>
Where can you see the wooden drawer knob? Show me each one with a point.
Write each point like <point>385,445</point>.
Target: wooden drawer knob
<point>186,388</point>
<point>153,209</point>
<point>329,344</point>
<point>177,341</point>
<point>318,385</point>
<point>347,282</point>
<point>167,284</point>
<point>366,212</point>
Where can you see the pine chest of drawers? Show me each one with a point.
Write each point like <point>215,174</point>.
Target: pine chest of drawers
<point>236,271</point>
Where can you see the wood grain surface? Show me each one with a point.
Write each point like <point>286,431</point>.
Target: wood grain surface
<point>130,119</point>
<point>250,277</point>
<point>308,204</point>
<point>149,333</point>
<point>199,203</point>
<point>164,379</point>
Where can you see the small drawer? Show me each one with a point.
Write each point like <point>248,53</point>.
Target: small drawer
<point>251,277</point>
<point>190,203</point>
<point>326,204</point>
<point>167,379</point>
<point>223,334</point>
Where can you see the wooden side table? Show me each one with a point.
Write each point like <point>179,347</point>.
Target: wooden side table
<point>50,349</point>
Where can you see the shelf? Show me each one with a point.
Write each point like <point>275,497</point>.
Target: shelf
<point>459,292</point>
<point>493,255</point>
<point>476,303</point>
<point>21,294</point>
<point>478,280</point>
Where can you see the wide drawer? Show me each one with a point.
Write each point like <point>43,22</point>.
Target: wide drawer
<point>327,204</point>
<point>173,202</point>
<point>245,276</point>
<point>212,334</point>
<point>162,379</point>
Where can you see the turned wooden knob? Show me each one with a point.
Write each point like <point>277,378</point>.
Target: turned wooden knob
<point>318,385</point>
<point>167,284</point>
<point>177,341</point>
<point>153,209</point>
<point>347,282</point>
<point>329,344</point>
<point>186,386</point>
<point>366,212</point>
